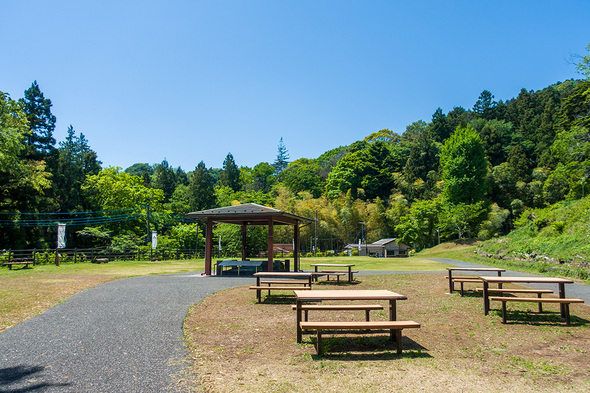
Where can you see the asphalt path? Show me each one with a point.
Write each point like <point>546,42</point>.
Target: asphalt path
<point>122,336</point>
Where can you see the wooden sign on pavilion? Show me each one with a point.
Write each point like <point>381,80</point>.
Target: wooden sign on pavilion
<point>246,215</point>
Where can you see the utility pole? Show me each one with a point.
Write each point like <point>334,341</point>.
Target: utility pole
<point>363,236</point>
<point>147,216</point>
<point>316,233</point>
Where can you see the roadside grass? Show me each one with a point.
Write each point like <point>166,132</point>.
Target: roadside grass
<point>239,345</point>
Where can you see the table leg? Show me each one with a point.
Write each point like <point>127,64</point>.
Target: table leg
<point>486,300</point>
<point>299,334</point>
<point>258,291</point>
<point>316,270</point>
<point>451,287</point>
<point>350,274</point>
<point>392,317</point>
<point>562,306</point>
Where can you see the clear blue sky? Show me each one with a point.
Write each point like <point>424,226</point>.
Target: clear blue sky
<point>195,80</point>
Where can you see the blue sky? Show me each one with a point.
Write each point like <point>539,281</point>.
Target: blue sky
<point>196,80</point>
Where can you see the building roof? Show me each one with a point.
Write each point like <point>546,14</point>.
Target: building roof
<point>383,242</point>
<point>249,214</point>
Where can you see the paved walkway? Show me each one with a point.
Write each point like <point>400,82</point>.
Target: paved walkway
<point>122,336</point>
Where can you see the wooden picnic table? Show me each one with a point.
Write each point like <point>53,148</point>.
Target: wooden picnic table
<point>470,269</point>
<point>350,295</point>
<point>538,280</point>
<point>302,279</point>
<point>341,265</point>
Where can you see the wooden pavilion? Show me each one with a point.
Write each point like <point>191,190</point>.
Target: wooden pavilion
<point>246,215</point>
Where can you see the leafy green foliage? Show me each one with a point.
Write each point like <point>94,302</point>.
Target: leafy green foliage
<point>464,167</point>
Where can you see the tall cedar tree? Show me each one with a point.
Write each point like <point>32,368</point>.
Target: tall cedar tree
<point>230,175</point>
<point>201,194</point>
<point>282,159</point>
<point>40,141</point>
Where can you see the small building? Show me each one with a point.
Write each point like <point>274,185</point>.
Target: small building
<point>381,248</point>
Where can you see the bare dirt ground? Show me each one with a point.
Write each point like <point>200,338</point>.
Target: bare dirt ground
<point>238,345</point>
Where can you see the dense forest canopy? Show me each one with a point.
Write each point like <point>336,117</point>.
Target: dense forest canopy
<point>465,173</point>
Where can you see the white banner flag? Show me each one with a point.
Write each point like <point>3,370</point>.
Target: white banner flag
<point>61,235</point>
<point>154,240</point>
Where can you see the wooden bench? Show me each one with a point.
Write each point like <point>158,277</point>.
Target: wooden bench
<point>346,327</point>
<point>328,274</point>
<point>512,290</point>
<point>565,301</point>
<point>260,288</point>
<point>339,307</point>
<point>334,272</point>
<point>25,263</point>
<point>463,279</point>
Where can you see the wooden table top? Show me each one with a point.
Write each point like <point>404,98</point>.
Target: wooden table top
<point>282,274</point>
<point>349,294</point>
<point>478,269</point>
<point>544,280</point>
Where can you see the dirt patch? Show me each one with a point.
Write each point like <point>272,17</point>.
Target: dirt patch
<point>238,345</point>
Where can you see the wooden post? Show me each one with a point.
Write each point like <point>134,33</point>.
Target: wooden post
<point>296,248</point>
<point>270,244</point>
<point>244,228</point>
<point>208,246</point>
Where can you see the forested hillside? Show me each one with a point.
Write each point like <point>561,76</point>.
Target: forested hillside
<point>470,172</point>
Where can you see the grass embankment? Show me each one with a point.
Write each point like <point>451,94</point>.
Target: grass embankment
<point>553,241</point>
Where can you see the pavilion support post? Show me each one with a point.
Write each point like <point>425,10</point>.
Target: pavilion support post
<point>270,244</point>
<point>244,241</point>
<point>296,247</point>
<point>208,246</point>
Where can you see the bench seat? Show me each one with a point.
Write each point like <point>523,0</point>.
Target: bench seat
<point>339,307</point>
<point>345,327</point>
<point>565,301</point>
<point>260,288</point>
<point>315,275</point>
<point>25,263</point>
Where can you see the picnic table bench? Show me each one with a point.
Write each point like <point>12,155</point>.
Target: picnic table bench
<point>328,274</point>
<point>25,262</point>
<point>564,302</point>
<point>515,290</point>
<point>348,270</point>
<point>288,281</point>
<point>346,327</point>
<point>338,307</point>
<point>468,279</point>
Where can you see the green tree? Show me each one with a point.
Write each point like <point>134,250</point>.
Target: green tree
<point>282,159</point>
<point>439,128</point>
<point>417,228</point>
<point>201,194</point>
<point>164,178</point>
<point>76,160</point>
<point>41,122</point>
<point>112,190</point>
<point>583,67</point>
<point>304,175</point>
<point>461,219</point>
<point>464,167</point>
<point>485,104</point>
<point>230,175</point>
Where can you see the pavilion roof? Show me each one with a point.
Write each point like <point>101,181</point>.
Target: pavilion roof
<point>249,214</point>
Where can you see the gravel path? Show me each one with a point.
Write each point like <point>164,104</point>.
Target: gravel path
<point>122,336</point>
